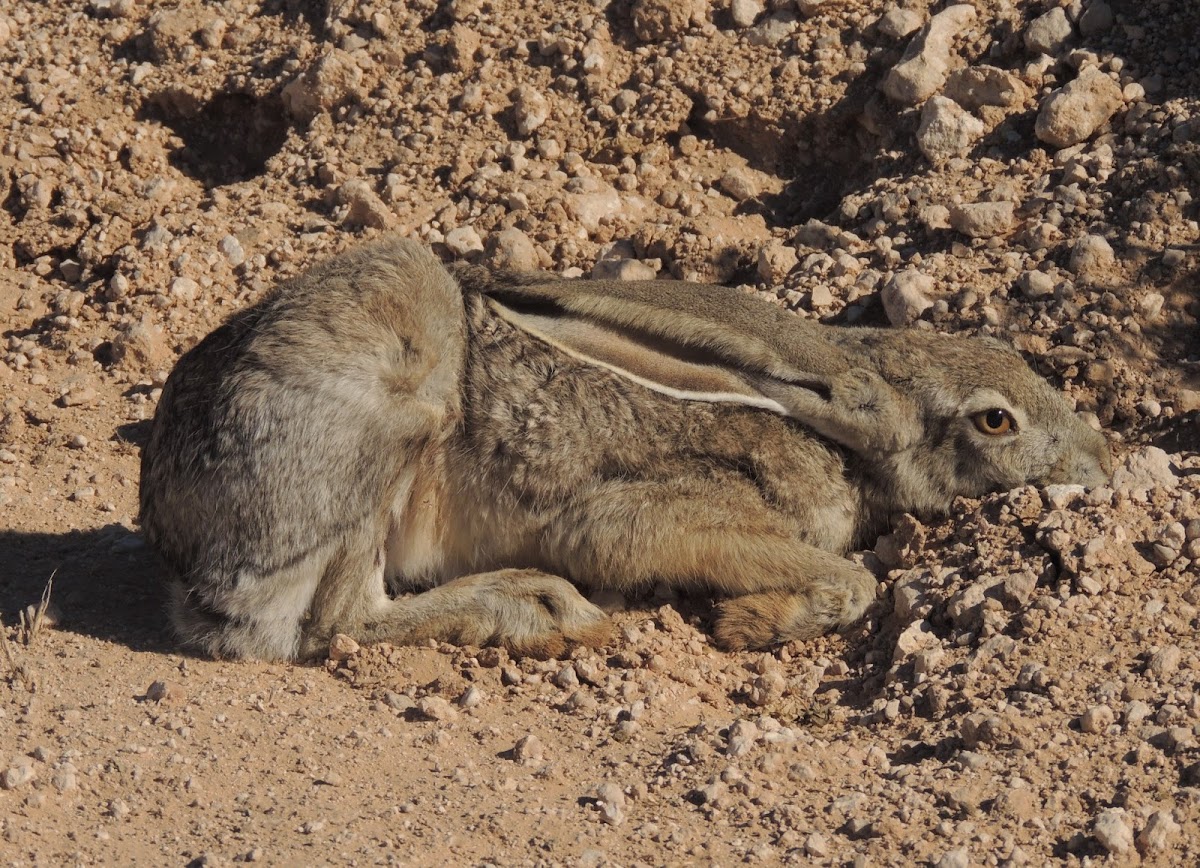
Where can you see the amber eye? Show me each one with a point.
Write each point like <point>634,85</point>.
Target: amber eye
<point>994,421</point>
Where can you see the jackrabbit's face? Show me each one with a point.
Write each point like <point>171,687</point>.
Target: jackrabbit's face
<point>990,423</point>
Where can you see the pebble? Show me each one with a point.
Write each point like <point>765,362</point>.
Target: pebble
<point>957,858</point>
<point>19,774</point>
<point>982,219</point>
<point>1047,33</point>
<point>947,130</point>
<point>166,693</point>
<point>471,697</point>
<point>775,261</point>
<point>745,12</point>
<point>906,296</point>
<point>1164,663</point>
<point>622,269</point>
<point>437,708</point>
<point>658,20</point>
<point>183,288</point>
<point>1143,471</point>
<point>530,110</point>
<point>342,647</point>
<point>512,250</point>
<point>1112,830</point>
<point>1075,112</point>
<point>974,87</point>
<point>331,80</point>
<point>77,441</point>
<point>463,240</point>
<point>739,184</point>
<point>1097,719</point>
<point>65,778</point>
<point>1092,258</point>
<point>773,29</point>
<point>610,801</point>
<point>232,250</point>
<point>529,750</point>
<point>1159,831</point>
<point>1036,285</point>
<point>926,62</point>
<point>897,22</point>
<point>363,207</point>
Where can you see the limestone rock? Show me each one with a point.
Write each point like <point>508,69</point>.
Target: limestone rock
<point>1074,113</point>
<point>946,130</point>
<point>926,63</point>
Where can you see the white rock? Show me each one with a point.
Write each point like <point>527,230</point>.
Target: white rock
<point>1160,829</point>
<point>1036,284</point>
<point>463,240</point>
<point>947,130</point>
<point>342,647</point>
<point>745,12</point>
<point>1047,33</point>
<point>511,249</point>
<point>1097,719</point>
<point>530,110</point>
<point>331,80</point>
<point>1073,113</point>
<point>773,29</point>
<point>183,288</point>
<point>1144,470</point>
<point>591,209</point>
<point>739,184</point>
<point>820,296</point>
<point>957,858</point>
<point>897,23</point>
<point>775,261</point>
<point>622,269</point>
<point>231,248</point>
<point>362,206</point>
<point>926,62</point>
<point>611,802</point>
<point>982,219</point>
<point>905,296</point>
<point>1113,832</point>
<point>1092,258</point>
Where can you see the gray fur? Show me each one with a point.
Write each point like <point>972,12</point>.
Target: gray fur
<point>384,421</point>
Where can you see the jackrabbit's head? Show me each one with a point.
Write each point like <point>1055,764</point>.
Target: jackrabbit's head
<point>938,415</point>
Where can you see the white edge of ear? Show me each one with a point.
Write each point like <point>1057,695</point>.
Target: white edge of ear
<point>528,325</point>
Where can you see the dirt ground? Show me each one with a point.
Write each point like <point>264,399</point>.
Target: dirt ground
<point>1025,690</point>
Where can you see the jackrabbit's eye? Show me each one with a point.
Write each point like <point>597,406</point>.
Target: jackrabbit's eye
<point>995,421</point>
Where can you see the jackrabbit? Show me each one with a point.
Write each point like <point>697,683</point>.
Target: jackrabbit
<point>385,422</point>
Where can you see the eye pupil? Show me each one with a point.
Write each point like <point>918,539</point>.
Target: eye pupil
<point>995,418</point>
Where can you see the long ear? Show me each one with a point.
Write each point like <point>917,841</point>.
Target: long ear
<point>705,343</point>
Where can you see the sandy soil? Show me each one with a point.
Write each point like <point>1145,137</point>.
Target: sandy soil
<point>1025,689</point>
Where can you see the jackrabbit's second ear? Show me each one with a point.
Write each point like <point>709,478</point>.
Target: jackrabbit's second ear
<point>695,358</point>
<point>657,362</point>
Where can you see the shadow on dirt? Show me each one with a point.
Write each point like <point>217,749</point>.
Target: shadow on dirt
<point>227,139</point>
<point>104,584</point>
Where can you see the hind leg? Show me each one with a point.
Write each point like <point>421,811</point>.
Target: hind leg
<point>697,534</point>
<point>528,612</point>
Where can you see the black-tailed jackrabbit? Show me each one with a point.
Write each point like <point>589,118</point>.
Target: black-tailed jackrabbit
<point>383,422</point>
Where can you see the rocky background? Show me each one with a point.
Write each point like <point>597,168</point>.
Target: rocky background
<point>1025,691</point>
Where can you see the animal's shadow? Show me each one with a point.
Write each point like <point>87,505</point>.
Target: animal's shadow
<point>103,584</point>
